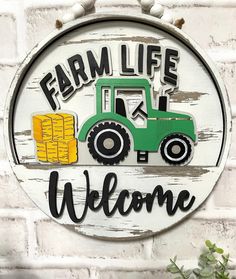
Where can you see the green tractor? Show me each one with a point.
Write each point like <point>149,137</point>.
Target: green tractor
<point>111,130</point>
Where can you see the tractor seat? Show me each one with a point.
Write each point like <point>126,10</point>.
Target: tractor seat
<point>120,107</point>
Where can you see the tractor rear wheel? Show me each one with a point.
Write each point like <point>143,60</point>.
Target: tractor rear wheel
<point>176,150</point>
<point>108,143</point>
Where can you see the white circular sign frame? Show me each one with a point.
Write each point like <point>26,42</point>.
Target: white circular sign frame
<point>144,19</point>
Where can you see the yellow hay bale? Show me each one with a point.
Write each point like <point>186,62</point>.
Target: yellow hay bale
<point>52,153</point>
<point>67,151</point>
<point>69,123</point>
<point>57,126</point>
<point>42,128</point>
<point>41,151</point>
<point>54,136</point>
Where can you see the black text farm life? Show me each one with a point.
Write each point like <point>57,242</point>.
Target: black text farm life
<point>65,78</point>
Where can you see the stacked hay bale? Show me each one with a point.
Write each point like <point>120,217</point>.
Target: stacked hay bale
<point>55,138</point>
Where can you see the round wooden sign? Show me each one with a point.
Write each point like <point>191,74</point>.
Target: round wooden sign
<point>117,126</point>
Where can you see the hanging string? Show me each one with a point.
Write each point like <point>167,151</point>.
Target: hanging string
<point>152,7</point>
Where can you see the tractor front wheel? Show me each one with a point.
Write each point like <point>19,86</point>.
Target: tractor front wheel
<point>176,150</point>
<point>108,143</point>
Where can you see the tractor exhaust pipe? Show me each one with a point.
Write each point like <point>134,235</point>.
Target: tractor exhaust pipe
<point>163,103</point>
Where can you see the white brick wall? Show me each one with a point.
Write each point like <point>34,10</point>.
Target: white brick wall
<point>31,245</point>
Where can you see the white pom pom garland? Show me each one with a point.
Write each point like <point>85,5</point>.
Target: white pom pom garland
<point>167,17</point>
<point>147,4</point>
<point>87,4</point>
<point>157,10</point>
<point>78,10</point>
<point>68,17</point>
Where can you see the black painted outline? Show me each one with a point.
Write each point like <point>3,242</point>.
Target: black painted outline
<point>106,18</point>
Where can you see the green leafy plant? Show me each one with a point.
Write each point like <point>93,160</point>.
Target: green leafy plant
<point>212,264</point>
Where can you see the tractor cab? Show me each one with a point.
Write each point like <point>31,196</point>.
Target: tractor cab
<point>129,98</point>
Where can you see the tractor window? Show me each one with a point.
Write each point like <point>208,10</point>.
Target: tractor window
<point>135,105</point>
<point>106,99</point>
